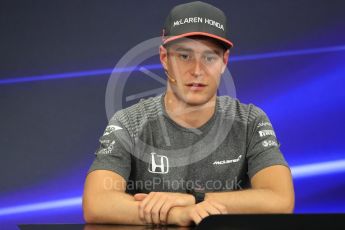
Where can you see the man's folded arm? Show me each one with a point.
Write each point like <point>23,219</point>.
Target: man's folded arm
<point>105,200</point>
<point>270,177</point>
<point>272,192</point>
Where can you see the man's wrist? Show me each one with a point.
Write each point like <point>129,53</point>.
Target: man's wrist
<point>191,199</point>
<point>198,194</point>
<point>179,216</point>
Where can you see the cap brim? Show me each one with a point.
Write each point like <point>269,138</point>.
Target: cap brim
<point>223,40</point>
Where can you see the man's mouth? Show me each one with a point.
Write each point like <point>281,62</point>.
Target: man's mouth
<point>196,86</point>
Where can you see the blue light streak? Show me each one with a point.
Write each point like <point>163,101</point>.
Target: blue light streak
<point>317,169</point>
<point>62,203</point>
<point>288,53</point>
<point>90,73</point>
<point>69,75</point>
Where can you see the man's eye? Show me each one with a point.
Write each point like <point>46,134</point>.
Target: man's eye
<point>184,57</point>
<point>210,58</point>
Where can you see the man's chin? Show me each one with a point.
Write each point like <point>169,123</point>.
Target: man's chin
<point>197,101</point>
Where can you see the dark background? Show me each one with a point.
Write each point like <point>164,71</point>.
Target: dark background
<point>288,58</point>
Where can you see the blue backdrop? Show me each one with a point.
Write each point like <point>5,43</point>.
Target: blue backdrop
<point>56,58</point>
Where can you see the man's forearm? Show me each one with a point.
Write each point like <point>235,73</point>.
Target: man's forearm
<point>253,201</point>
<point>117,208</point>
<point>111,207</point>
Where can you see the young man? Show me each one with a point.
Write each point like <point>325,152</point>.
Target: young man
<point>187,154</point>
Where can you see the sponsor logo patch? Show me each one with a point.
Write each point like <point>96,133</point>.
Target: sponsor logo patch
<point>262,124</point>
<point>269,143</point>
<point>110,129</point>
<point>267,132</point>
<point>159,164</point>
<point>107,150</point>
<point>228,161</point>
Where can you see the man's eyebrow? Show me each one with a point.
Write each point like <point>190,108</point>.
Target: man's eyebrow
<point>214,51</point>
<point>184,49</point>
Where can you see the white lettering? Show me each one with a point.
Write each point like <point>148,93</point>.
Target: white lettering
<point>269,143</point>
<point>214,23</point>
<point>187,20</point>
<point>261,124</point>
<point>198,20</point>
<point>228,161</point>
<point>264,133</point>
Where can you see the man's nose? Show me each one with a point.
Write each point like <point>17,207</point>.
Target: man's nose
<point>197,67</point>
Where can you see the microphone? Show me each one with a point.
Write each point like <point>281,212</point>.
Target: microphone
<point>173,80</point>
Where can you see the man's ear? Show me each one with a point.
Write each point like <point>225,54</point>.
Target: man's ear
<point>163,56</point>
<point>225,59</point>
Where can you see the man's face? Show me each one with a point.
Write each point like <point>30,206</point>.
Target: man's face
<point>197,66</point>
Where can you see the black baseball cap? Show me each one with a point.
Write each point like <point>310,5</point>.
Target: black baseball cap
<point>195,19</point>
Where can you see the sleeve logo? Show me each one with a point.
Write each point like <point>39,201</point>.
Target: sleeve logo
<point>264,133</point>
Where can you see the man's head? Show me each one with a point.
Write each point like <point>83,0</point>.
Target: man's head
<point>194,67</point>
<point>195,51</point>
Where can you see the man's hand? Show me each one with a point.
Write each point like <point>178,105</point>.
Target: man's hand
<point>195,213</point>
<point>155,206</point>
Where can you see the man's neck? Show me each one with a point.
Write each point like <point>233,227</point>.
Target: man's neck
<point>188,116</point>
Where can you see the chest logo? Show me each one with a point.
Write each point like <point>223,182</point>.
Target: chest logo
<point>159,164</point>
<point>228,161</point>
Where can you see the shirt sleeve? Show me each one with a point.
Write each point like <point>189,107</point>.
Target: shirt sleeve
<point>263,149</point>
<point>114,152</point>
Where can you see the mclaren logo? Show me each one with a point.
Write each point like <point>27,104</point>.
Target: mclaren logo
<point>228,161</point>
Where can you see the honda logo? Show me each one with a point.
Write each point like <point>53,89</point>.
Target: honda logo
<point>159,164</point>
